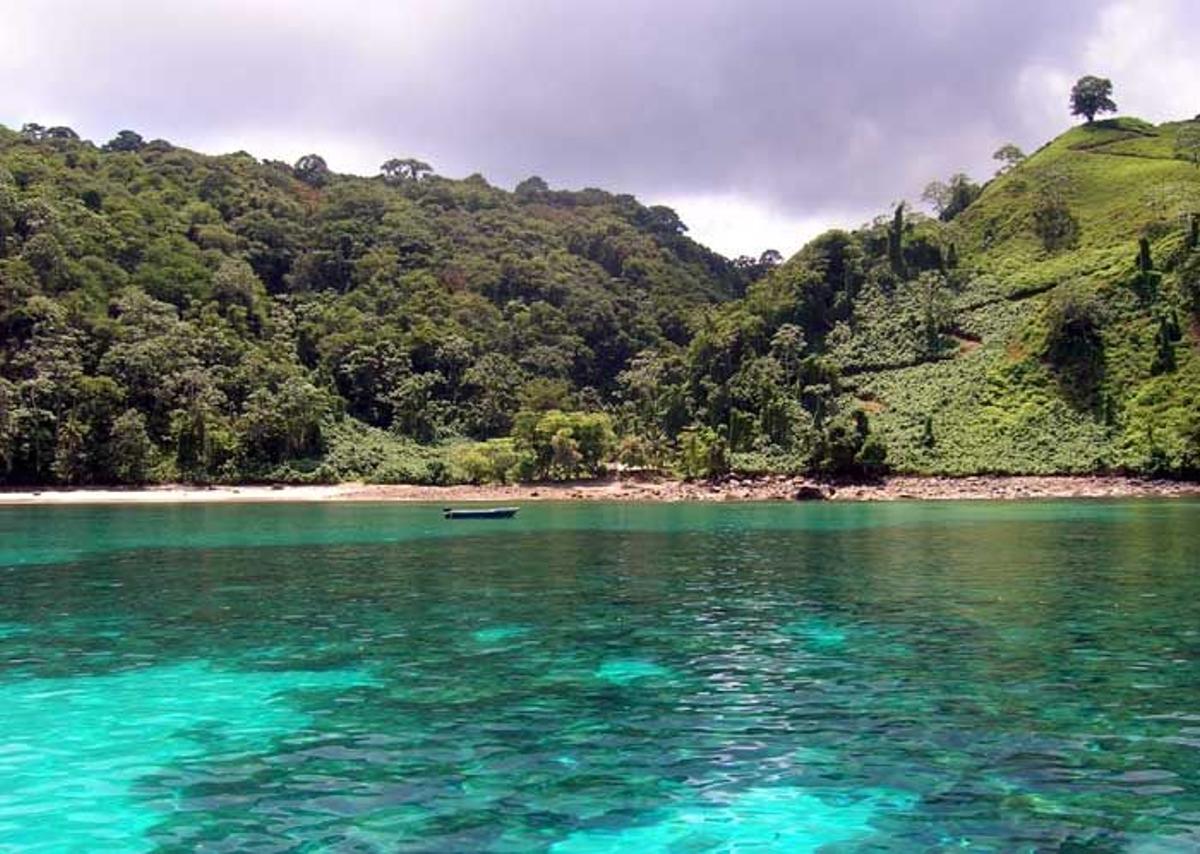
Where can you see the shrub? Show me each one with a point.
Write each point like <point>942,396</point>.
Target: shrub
<point>564,445</point>
<point>487,462</point>
<point>1073,344</point>
<point>1189,281</point>
<point>703,452</point>
<point>358,452</point>
<point>848,449</point>
<point>129,448</point>
<point>1055,225</point>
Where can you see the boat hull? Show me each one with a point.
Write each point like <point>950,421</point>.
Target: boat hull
<point>481,513</point>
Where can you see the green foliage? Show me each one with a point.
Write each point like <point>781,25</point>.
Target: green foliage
<point>397,171</point>
<point>849,449</point>
<point>282,423</point>
<point>237,307</point>
<point>564,445</point>
<point>1073,344</point>
<point>1189,281</point>
<point>312,170</point>
<point>168,315</point>
<point>1146,281</point>
<point>1187,143</point>
<point>703,452</point>
<point>1145,262</point>
<point>936,310</point>
<point>1009,156</point>
<point>1091,95</point>
<point>130,453</point>
<point>355,451</point>
<point>895,242</point>
<point>1164,347</point>
<point>494,461</point>
<point>1000,403</point>
<point>951,198</point>
<point>125,140</point>
<point>928,440</point>
<point>1053,221</point>
<point>531,189</point>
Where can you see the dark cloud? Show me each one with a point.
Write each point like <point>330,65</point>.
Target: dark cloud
<point>799,103</point>
<point>805,106</point>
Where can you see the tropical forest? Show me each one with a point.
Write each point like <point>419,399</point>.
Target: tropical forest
<point>170,316</point>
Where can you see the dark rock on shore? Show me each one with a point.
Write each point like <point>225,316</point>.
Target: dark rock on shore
<point>809,493</point>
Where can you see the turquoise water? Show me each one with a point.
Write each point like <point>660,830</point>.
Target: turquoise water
<point>591,678</point>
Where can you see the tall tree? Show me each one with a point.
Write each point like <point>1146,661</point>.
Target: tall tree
<point>770,258</point>
<point>398,170</point>
<point>1091,95</point>
<point>951,198</point>
<point>1009,156</point>
<point>129,448</point>
<point>936,312</point>
<point>125,140</point>
<point>312,170</point>
<point>9,401</point>
<point>531,188</point>
<point>896,241</point>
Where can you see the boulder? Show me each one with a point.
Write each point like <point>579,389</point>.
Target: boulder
<point>809,493</point>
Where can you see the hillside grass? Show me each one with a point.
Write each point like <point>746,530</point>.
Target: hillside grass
<point>1001,406</point>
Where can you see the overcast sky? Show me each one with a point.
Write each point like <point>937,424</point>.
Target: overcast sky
<point>761,121</point>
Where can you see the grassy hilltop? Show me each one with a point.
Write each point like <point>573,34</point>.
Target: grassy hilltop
<point>169,315</point>
<point>1067,358</point>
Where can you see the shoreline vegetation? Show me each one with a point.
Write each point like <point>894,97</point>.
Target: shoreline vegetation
<point>733,489</point>
<point>171,317</point>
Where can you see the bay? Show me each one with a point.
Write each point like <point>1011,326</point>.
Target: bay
<point>600,677</point>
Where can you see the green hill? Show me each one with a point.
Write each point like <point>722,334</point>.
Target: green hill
<point>217,317</point>
<point>170,315</point>
<point>1066,358</point>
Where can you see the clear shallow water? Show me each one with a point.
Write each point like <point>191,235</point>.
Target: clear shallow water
<point>589,678</point>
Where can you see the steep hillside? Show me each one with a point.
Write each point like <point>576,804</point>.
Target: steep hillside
<point>1058,352</point>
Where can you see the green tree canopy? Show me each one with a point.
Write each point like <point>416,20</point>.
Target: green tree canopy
<point>398,170</point>
<point>1009,156</point>
<point>312,170</point>
<point>125,140</point>
<point>951,198</point>
<point>531,188</point>
<point>1092,95</point>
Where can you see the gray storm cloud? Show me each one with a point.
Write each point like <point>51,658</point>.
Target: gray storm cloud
<point>806,106</point>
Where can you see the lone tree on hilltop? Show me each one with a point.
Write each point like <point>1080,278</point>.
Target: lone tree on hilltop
<point>531,187</point>
<point>1091,95</point>
<point>396,170</point>
<point>126,140</point>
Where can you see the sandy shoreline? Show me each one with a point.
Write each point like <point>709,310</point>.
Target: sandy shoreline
<point>779,488</point>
